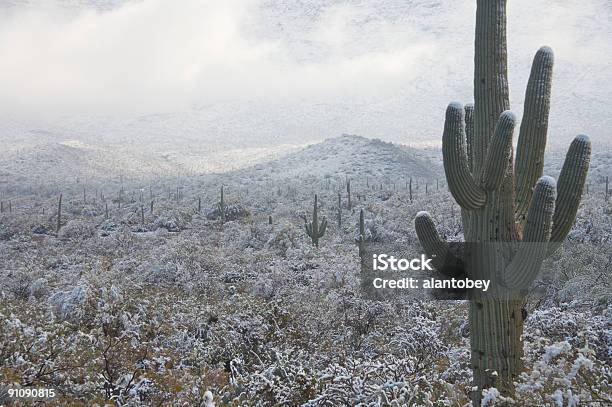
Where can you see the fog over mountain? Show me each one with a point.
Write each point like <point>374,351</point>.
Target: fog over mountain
<point>263,73</point>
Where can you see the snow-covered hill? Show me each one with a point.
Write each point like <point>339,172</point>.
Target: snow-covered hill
<point>353,156</point>
<point>62,163</point>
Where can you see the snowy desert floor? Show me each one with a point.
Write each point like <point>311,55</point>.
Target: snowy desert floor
<point>142,298</point>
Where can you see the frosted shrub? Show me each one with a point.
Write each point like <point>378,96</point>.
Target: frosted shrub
<point>233,211</point>
<point>77,229</point>
<point>19,285</point>
<point>39,288</point>
<point>173,221</point>
<point>283,238</point>
<point>70,304</point>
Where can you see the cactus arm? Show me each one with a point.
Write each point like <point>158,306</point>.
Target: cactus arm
<point>499,153</point>
<point>469,134</point>
<point>526,264</point>
<point>322,228</point>
<point>308,229</point>
<point>434,246</point>
<point>534,128</point>
<point>571,184</point>
<point>460,182</point>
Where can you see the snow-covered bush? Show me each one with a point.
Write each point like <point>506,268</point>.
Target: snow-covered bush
<point>77,229</point>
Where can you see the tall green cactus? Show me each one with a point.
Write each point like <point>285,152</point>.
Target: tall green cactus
<point>348,193</point>
<point>314,229</point>
<point>221,206</point>
<point>59,214</point>
<point>339,211</point>
<point>361,242</point>
<point>513,217</point>
<point>410,189</point>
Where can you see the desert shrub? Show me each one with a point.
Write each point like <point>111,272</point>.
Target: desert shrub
<point>77,230</point>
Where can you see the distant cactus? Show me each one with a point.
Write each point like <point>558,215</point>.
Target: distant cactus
<point>269,219</point>
<point>348,193</point>
<point>607,190</point>
<point>221,206</point>
<point>339,210</point>
<point>314,229</point>
<point>142,217</point>
<point>361,240</point>
<point>59,214</point>
<point>531,222</point>
<point>410,189</point>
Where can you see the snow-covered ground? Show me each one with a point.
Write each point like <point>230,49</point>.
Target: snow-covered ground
<point>149,304</point>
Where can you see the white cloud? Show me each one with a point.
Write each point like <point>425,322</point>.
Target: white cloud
<point>159,55</point>
<point>382,68</point>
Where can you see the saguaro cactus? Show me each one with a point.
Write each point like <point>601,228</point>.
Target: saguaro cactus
<point>59,214</point>
<point>410,189</point>
<point>510,225</point>
<point>348,193</point>
<point>314,229</point>
<point>361,240</point>
<point>222,207</point>
<point>339,210</point>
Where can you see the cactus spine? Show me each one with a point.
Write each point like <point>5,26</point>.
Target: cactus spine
<point>314,229</point>
<point>498,201</point>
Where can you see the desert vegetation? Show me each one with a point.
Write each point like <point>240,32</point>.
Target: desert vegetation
<point>114,310</point>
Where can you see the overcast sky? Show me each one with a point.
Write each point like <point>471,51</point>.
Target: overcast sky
<point>386,68</point>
